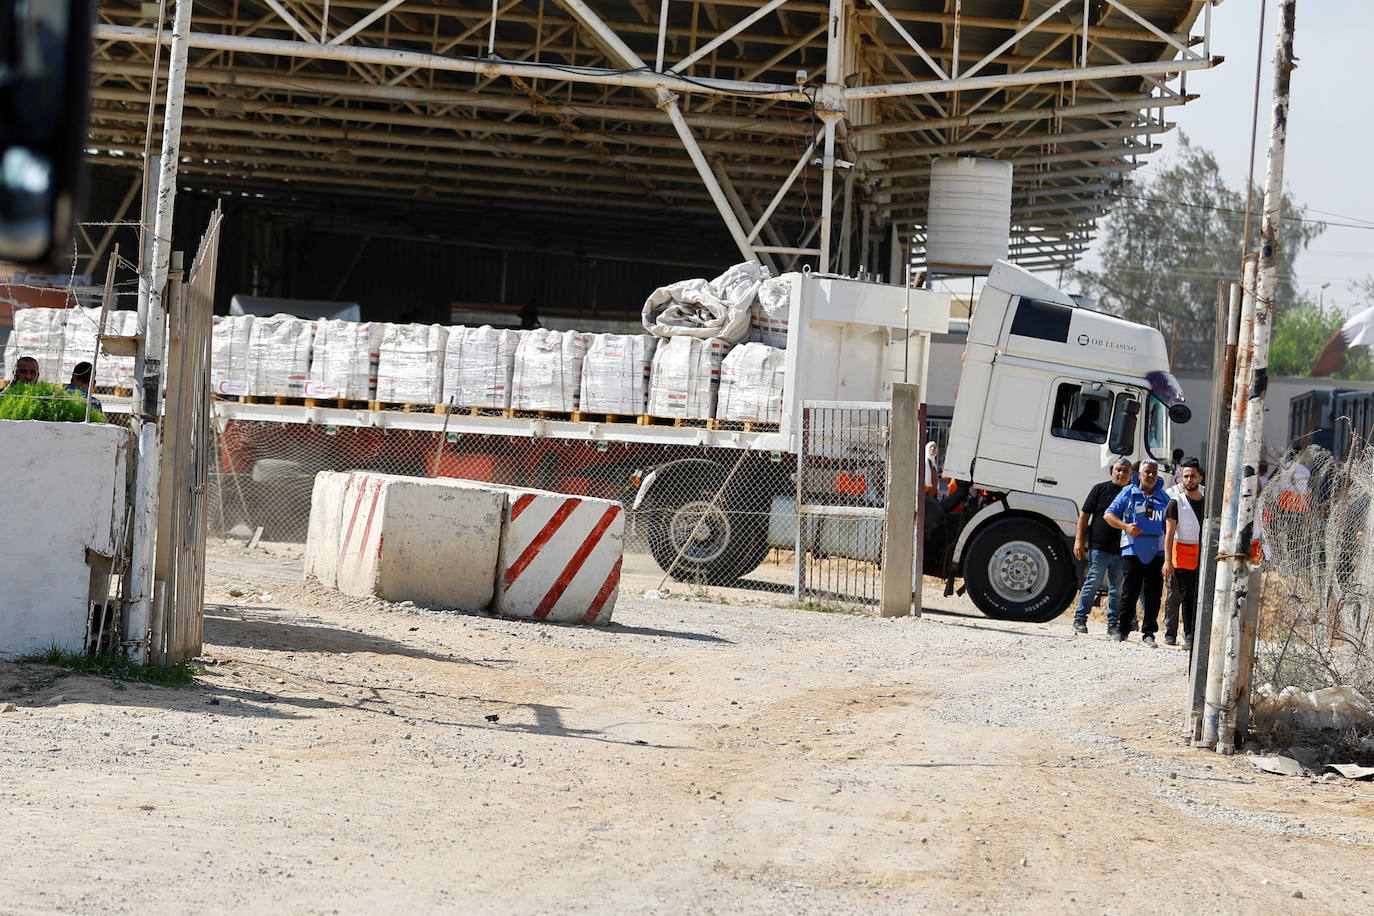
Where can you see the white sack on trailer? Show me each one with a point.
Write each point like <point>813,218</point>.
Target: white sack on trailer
<point>548,370</point>
<point>118,371</point>
<point>751,383</point>
<point>410,366</point>
<point>344,361</point>
<point>768,317</point>
<point>716,308</point>
<point>228,353</point>
<point>279,356</point>
<point>615,374</point>
<point>479,366</point>
<point>685,377</point>
<point>38,332</point>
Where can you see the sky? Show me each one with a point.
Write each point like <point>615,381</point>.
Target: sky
<point>1330,149</point>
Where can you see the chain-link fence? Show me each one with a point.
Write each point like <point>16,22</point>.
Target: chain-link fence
<point>1316,524</point>
<point>707,515</point>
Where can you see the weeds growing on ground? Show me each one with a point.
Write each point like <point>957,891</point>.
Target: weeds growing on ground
<point>116,667</point>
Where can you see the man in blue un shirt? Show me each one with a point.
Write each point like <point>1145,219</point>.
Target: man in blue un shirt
<point>1138,512</point>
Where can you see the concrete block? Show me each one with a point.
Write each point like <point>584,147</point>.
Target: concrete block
<point>411,539</point>
<point>560,557</point>
<point>63,492</point>
<point>326,521</point>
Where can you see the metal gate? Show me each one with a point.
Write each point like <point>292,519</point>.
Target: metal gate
<point>841,480</point>
<point>188,448</point>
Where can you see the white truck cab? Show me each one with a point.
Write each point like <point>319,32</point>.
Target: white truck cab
<point>1050,394</point>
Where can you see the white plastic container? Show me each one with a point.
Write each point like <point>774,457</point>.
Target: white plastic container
<point>969,221</point>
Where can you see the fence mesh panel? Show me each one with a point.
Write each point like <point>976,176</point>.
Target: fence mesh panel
<point>1316,523</point>
<point>707,516</point>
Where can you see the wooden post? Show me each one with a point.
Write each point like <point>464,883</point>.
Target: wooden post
<point>899,530</point>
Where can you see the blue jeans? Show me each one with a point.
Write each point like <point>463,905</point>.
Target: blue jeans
<point>1100,564</point>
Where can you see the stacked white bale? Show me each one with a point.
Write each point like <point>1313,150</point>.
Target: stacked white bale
<point>80,337</point>
<point>118,371</point>
<point>548,370</point>
<point>344,361</point>
<point>228,353</point>
<point>479,366</point>
<point>768,314</point>
<point>38,332</point>
<point>751,382</point>
<point>410,365</point>
<point>686,377</point>
<point>615,373</point>
<point>279,356</point>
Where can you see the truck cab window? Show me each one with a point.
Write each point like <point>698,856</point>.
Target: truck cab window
<point>1122,431</point>
<point>1081,413</point>
<point>1156,428</point>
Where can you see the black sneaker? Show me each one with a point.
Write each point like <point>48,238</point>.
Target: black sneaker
<point>1149,641</point>
<point>1187,642</point>
<point>1115,635</point>
<point>1080,626</point>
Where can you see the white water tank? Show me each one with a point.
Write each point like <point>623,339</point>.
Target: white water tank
<point>969,222</point>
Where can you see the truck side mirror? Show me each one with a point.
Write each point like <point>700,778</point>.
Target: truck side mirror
<point>1125,439</point>
<point>1180,413</point>
<point>45,52</point>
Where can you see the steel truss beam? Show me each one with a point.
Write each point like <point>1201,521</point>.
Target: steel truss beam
<point>516,98</point>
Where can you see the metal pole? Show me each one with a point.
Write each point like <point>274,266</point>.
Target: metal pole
<point>832,108</point>
<point>1235,680</point>
<point>149,368</point>
<point>1221,591</point>
<point>1224,354</point>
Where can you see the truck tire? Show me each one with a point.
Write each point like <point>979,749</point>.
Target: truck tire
<point>1019,569</point>
<point>728,537</point>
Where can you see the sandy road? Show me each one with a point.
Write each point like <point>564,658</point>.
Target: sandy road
<point>742,757</point>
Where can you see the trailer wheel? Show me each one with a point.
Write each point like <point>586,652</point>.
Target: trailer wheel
<point>719,540</point>
<point>1019,569</point>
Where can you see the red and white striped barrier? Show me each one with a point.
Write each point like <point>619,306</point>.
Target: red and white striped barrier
<point>560,557</point>
<point>411,539</point>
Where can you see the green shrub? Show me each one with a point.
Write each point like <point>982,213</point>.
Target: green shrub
<point>44,401</point>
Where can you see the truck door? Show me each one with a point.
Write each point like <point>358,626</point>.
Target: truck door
<point>1074,451</point>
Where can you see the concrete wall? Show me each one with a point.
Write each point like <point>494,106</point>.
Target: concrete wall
<point>63,492</point>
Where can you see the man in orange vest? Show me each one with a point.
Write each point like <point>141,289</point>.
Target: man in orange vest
<point>1182,545</point>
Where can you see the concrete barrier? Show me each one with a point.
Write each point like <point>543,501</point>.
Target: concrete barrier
<point>411,539</point>
<point>63,491</point>
<point>326,520</point>
<point>560,557</point>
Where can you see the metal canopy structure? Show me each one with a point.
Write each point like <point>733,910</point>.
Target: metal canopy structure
<point>795,131</point>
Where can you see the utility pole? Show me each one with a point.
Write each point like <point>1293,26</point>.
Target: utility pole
<point>141,583</point>
<point>1237,606</point>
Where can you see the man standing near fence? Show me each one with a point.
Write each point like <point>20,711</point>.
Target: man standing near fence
<point>1138,512</point>
<point>1182,546</point>
<point>1102,545</point>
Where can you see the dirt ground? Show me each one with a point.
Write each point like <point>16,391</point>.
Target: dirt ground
<point>732,756</point>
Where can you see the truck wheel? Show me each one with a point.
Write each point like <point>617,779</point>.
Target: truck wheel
<point>723,540</point>
<point>1018,569</point>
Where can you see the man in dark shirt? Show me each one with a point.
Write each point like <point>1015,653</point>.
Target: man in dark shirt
<point>1102,544</point>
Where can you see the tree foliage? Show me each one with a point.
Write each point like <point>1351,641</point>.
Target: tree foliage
<point>1300,333</point>
<point>1171,237</point>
